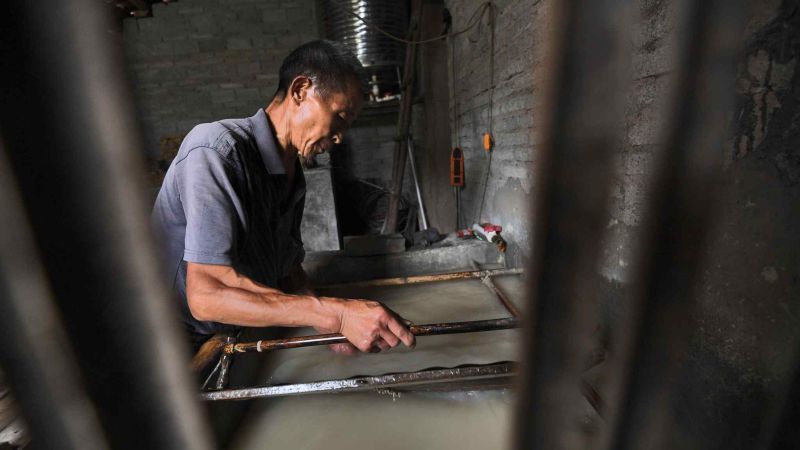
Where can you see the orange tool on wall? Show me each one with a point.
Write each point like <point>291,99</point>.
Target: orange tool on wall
<point>457,167</point>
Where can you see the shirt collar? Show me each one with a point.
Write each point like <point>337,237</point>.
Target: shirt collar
<point>265,140</point>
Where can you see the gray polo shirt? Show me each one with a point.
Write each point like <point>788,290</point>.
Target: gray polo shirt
<point>225,201</point>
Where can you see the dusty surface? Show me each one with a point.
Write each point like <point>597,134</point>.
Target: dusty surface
<point>372,421</point>
<point>462,420</point>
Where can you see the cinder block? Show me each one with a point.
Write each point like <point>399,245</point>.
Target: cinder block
<point>164,10</point>
<point>185,10</point>
<point>204,23</point>
<point>130,29</point>
<point>211,45</point>
<point>374,245</point>
<point>299,15</point>
<point>239,43</point>
<point>248,69</point>
<point>162,49</point>
<point>223,95</point>
<point>249,15</point>
<point>222,70</point>
<point>183,47</point>
<point>263,41</point>
<point>247,94</point>
<point>273,16</point>
<point>149,25</point>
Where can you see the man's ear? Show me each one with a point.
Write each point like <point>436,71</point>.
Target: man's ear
<point>300,88</point>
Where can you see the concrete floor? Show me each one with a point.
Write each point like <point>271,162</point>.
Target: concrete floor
<point>13,432</point>
<point>463,420</point>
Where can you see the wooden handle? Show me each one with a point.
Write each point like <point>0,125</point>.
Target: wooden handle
<point>209,351</point>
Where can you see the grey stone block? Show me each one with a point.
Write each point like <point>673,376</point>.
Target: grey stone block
<point>273,16</point>
<point>319,228</point>
<point>204,23</point>
<point>372,245</point>
<point>247,94</point>
<point>162,49</point>
<point>130,28</point>
<point>299,15</point>
<point>164,10</point>
<point>249,16</point>
<point>248,69</point>
<point>448,257</point>
<point>211,45</point>
<point>239,43</point>
<point>183,47</point>
<point>263,42</point>
<point>150,25</point>
<point>222,96</point>
<point>189,10</point>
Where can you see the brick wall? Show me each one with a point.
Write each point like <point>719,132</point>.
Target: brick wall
<point>508,191</point>
<point>196,61</point>
<point>368,149</point>
<point>519,46</point>
<point>370,152</point>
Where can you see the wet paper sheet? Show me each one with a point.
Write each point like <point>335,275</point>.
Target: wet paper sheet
<point>391,420</point>
<point>459,300</point>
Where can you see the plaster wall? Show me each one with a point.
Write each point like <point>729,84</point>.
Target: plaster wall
<point>748,311</point>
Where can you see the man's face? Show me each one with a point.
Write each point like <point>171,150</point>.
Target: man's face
<point>319,122</point>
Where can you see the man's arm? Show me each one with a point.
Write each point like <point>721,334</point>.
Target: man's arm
<point>298,283</point>
<point>218,293</point>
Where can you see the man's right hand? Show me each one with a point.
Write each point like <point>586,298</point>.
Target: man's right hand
<point>218,293</point>
<point>372,327</point>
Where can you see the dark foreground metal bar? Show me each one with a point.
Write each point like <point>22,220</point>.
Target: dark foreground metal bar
<point>35,354</point>
<point>581,126</point>
<point>654,331</point>
<point>68,123</point>
<point>433,329</point>
<point>424,377</point>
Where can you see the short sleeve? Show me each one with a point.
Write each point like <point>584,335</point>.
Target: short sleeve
<point>211,205</point>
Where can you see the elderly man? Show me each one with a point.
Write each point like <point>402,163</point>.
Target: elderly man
<point>230,207</point>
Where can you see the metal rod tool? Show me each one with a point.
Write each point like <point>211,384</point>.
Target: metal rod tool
<point>335,338</point>
<point>398,380</point>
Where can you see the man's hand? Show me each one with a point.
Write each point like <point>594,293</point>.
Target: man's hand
<point>344,349</point>
<point>218,293</point>
<point>372,327</point>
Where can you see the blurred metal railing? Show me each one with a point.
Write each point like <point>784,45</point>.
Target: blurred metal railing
<point>36,353</point>
<point>68,125</point>
<point>583,120</point>
<point>655,329</point>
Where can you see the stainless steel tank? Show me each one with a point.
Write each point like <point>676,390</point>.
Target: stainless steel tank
<point>380,55</point>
